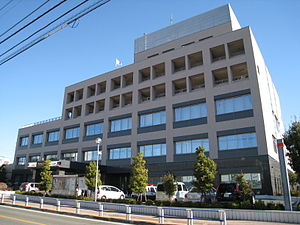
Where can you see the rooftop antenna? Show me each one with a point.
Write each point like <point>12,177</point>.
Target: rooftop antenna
<point>171,19</point>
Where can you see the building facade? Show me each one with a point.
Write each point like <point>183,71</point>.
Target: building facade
<point>200,82</point>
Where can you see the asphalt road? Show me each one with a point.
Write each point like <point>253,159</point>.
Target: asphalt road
<point>18,216</point>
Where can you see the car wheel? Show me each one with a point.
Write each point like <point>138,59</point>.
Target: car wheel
<point>103,197</point>
<point>122,197</point>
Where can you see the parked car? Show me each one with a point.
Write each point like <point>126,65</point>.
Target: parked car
<point>194,196</point>
<point>150,192</point>
<point>110,192</point>
<point>179,194</point>
<point>232,192</point>
<point>28,186</point>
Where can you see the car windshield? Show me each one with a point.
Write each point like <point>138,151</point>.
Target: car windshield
<point>160,187</point>
<point>227,187</point>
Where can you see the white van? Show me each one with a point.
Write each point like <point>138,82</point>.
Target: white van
<point>179,194</point>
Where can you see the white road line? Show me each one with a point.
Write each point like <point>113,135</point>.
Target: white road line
<point>74,217</point>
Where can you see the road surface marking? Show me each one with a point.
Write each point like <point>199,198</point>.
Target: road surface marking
<point>26,221</point>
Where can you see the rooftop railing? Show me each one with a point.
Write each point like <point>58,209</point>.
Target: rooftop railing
<point>42,122</point>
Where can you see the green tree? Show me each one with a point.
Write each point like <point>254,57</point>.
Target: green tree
<point>46,177</point>
<point>139,175</point>
<point>292,142</point>
<point>169,184</point>
<point>90,176</point>
<point>245,187</point>
<point>293,179</point>
<point>204,171</point>
<point>3,173</point>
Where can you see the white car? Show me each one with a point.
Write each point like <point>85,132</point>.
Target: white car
<point>179,194</point>
<point>150,192</point>
<point>194,196</point>
<point>27,186</point>
<point>110,192</point>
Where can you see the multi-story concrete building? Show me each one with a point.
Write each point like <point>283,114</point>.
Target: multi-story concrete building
<point>202,81</point>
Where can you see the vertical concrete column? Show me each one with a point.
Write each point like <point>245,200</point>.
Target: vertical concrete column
<point>189,216</point>
<point>100,209</point>
<point>128,212</point>
<point>42,203</point>
<point>2,198</point>
<point>222,215</point>
<point>57,205</point>
<point>14,200</point>
<point>161,215</point>
<point>26,201</point>
<point>78,208</point>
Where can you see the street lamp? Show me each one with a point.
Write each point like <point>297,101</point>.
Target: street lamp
<point>98,142</point>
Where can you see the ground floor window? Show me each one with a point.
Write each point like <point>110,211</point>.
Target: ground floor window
<point>253,178</point>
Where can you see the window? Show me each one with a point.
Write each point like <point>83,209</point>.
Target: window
<point>190,112</point>
<point>52,157</point>
<point>24,141</point>
<point>153,150</point>
<point>120,153</point>
<point>189,146</point>
<point>70,156</point>
<point>21,161</point>
<point>72,133</point>
<point>94,129</point>
<point>253,178</point>
<point>34,158</point>
<point>152,119</point>
<point>122,124</point>
<point>37,139</point>
<point>91,155</point>
<point>237,141</point>
<point>53,136</point>
<point>235,104</point>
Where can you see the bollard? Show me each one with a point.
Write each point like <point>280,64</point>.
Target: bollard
<point>14,200</point>
<point>2,198</point>
<point>42,203</point>
<point>100,209</point>
<point>190,220</point>
<point>78,208</point>
<point>161,215</point>
<point>58,205</point>
<point>222,217</point>
<point>128,212</point>
<point>26,201</point>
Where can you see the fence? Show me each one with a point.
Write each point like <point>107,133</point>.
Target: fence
<point>161,213</point>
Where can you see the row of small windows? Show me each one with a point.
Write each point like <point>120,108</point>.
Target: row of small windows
<point>182,85</point>
<point>228,142</point>
<point>195,111</point>
<point>195,59</point>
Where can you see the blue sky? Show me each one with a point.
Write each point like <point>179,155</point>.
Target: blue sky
<point>32,84</point>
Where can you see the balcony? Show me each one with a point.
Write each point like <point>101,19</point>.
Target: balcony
<point>144,95</point>
<point>197,81</point>
<point>179,86</point>
<point>178,64</point>
<point>220,76</point>
<point>239,72</point>
<point>217,53</point>
<point>236,48</point>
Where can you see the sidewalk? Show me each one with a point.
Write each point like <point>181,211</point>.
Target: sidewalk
<point>121,217</point>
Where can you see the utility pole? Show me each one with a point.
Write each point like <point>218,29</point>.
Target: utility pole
<point>284,175</point>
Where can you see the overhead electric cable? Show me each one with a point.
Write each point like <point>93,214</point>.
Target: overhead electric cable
<point>53,21</point>
<point>3,7</point>
<point>54,30</point>
<point>37,18</point>
<point>10,8</point>
<point>20,21</point>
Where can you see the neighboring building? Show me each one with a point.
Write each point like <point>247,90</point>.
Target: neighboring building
<point>4,160</point>
<point>202,81</point>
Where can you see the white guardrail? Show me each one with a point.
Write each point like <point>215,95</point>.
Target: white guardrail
<point>221,215</point>
<point>160,212</point>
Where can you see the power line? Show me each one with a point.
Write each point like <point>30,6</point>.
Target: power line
<point>53,21</point>
<point>55,30</point>
<point>37,18</point>
<point>24,18</point>
<point>3,7</point>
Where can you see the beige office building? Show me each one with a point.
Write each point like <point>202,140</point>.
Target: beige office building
<point>202,81</point>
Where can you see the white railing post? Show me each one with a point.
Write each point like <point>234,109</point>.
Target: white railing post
<point>58,205</point>
<point>14,200</point>
<point>78,208</point>
<point>100,209</point>
<point>2,198</point>
<point>26,201</point>
<point>128,212</point>
<point>161,215</point>
<point>190,220</point>
<point>42,203</point>
<point>222,214</point>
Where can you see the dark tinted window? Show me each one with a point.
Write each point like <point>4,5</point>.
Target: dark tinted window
<point>227,188</point>
<point>160,187</point>
<point>179,187</point>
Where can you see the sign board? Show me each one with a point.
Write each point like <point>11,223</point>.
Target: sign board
<point>32,164</point>
<point>60,164</point>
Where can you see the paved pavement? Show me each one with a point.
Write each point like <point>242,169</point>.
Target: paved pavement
<point>21,215</point>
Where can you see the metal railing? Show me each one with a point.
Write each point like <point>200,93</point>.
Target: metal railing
<point>161,213</point>
<point>42,122</point>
